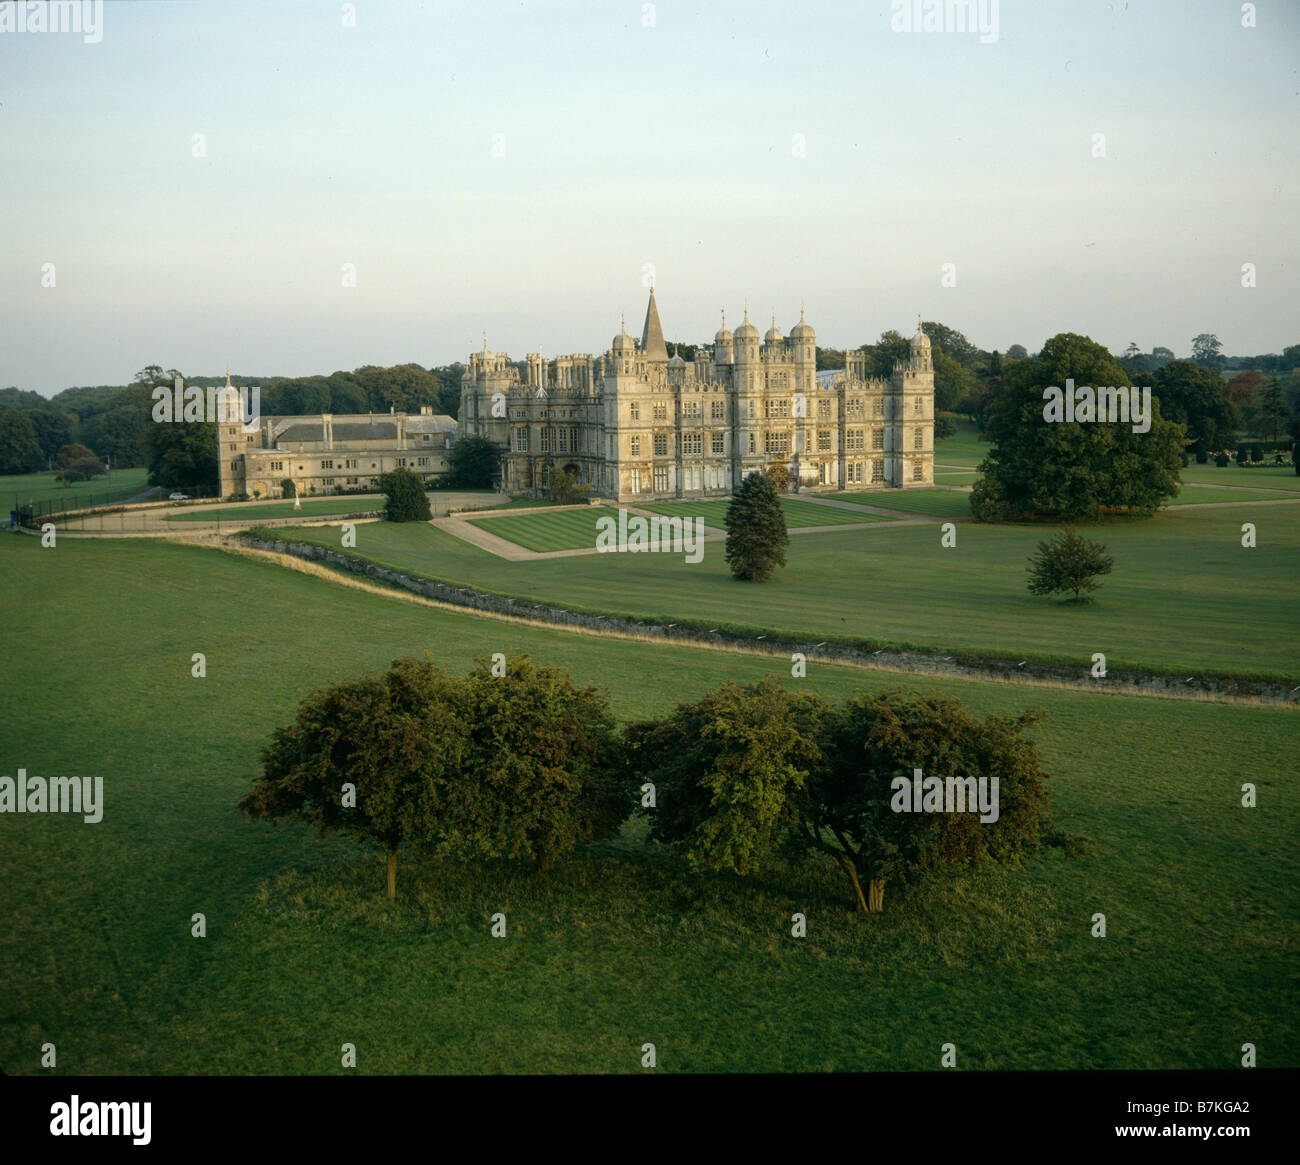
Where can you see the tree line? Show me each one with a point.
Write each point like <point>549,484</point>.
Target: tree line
<point>513,761</point>
<point>114,421</point>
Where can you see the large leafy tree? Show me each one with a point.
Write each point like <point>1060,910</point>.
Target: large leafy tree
<point>400,741</point>
<point>1207,350</point>
<point>1274,413</point>
<point>1068,470</point>
<point>472,462</point>
<point>77,463</point>
<point>180,454</point>
<point>726,770</point>
<point>547,759</point>
<point>53,430</point>
<point>1196,397</point>
<point>20,451</point>
<point>756,533</point>
<point>849,808</point>
<point>748,773</point>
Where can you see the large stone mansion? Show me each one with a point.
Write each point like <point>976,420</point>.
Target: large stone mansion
<point>637,423</point>
<point>327,453</point>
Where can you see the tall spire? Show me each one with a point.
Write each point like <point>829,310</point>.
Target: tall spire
<point>652,335</point>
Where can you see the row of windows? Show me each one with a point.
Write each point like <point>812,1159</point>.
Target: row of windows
<point>772,407</point>
<point>697,477</point>
<point>692,444</point>
<point>349,463</point>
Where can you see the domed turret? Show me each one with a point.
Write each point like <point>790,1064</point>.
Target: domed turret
<point>623,343</point>
<point>746,331</point>
<point>676,361</point>
<point>920,342</point>
<point>803,330</point>
<point>773,338</point>
<point>723,343</point>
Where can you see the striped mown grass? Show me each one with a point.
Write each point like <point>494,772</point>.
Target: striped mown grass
<point>797,513</point>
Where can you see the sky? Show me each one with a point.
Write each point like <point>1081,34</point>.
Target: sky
<point>291,188</point>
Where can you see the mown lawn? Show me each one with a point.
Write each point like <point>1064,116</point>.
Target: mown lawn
<point>1192,494</point>
<point>1266,477</point>
<point>1184,592</point>
<point>19,489</point>
<point>619,945</point>
<point>937,503</point>
<point>560,530</point>
<point>798,513</point>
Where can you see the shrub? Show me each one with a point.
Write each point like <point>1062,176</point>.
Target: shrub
<point>1243,455</point>
<point>1202,456</point>
<point>407,501</point>
<point>287,488</point>
<point>1068,563</point>
<point>1220,459</point>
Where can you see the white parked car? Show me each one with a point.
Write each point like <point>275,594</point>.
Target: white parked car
<point>178,497</point>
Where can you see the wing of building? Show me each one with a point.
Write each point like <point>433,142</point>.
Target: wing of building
<point>637,423</point>
<point>329,453</point>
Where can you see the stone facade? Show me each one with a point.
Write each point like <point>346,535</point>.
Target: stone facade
<point>328,453</point>
<point>636,423</point>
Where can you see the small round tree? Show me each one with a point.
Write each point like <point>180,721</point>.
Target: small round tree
<point>903,786</point>
<point>756,533</point>
<point>547,758</point>
<point>287,488</point>
<point>381,758</point>
<point>407,501</point>
<point>1068,563</point>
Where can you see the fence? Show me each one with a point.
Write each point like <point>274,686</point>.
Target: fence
<point>70,501</point>
<point>164,519</point>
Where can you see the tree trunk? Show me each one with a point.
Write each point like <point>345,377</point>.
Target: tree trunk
<point>876,895</point>
<point>392,874</point>
<point>857,886</point>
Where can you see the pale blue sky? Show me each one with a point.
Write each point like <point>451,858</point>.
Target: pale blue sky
<point>628,145</point>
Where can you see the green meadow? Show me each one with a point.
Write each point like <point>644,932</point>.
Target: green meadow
<point>1193,494</point>
<point>1184,595</point>
<point>936,503</point>
<point>798,514</point>
<point>19,489</point>
<point>618,945</point>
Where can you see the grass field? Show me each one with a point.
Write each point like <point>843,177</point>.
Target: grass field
<point>250,512</point>
<point>1173,601</point>
<point>937,503</point>
<point>543,532</point>
<point>19,489</point>
<point>963,448</point>
<point>619,945</point>
<point>1193,494</point>
<point>955,477</point>
<point>798,513</point>
<point>1269,477</point>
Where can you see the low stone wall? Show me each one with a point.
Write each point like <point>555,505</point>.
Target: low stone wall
<point>968,666</point>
